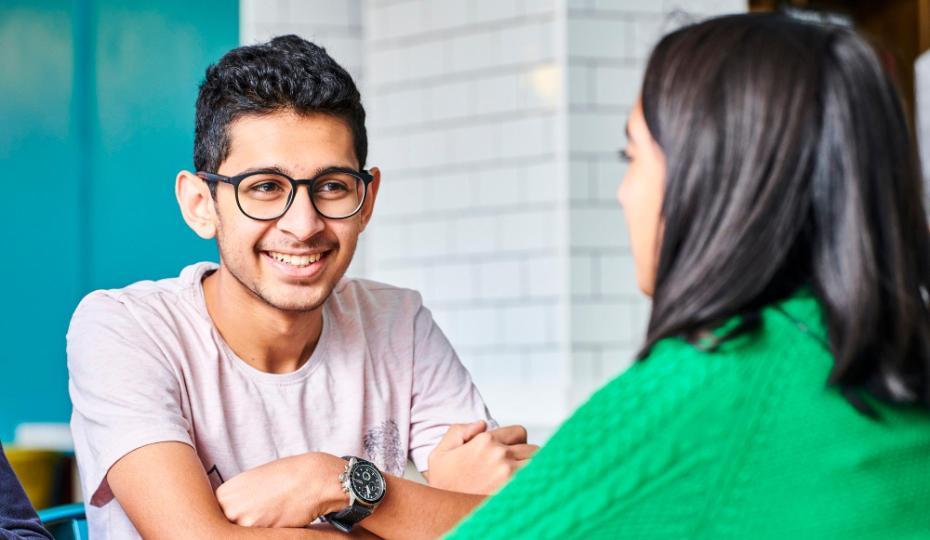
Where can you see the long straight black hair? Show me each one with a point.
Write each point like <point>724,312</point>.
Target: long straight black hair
<point>790,163</point>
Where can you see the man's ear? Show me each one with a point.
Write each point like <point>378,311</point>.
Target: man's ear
<point>370,197</point>
<point>197,205</point>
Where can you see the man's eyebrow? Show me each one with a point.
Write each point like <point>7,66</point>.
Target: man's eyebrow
<point>626,130</point>
<point>265,168</point>
<point>281,170</point>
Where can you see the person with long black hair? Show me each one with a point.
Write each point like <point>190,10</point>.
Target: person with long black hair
<point>783,389</point>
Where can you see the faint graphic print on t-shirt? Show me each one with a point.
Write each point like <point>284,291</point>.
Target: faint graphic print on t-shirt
<point>382,444</point>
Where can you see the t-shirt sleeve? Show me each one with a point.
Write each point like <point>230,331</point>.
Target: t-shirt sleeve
<point>443,391</point>
<point>124,392</point>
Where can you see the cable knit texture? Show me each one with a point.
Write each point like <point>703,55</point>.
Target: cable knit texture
<point>746,441</point>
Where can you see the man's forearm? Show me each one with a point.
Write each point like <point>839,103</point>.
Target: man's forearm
<point>313,532</point>
<point>412,510</point>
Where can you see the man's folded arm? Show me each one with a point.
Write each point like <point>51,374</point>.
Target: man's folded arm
<point>166,493</point>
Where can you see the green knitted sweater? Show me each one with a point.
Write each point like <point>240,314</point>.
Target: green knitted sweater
<point>747,441</point>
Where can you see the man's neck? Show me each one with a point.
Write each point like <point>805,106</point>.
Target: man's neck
<point>265,337</point>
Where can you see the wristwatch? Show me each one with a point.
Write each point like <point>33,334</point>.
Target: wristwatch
<point>365,486</point>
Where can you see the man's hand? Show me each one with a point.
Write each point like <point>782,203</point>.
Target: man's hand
<point>289,492</point>
<point>470,459</point>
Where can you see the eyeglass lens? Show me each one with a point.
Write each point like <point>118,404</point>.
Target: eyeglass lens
<point>267,195</point>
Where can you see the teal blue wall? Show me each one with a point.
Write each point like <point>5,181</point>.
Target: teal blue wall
<point>96,118</point>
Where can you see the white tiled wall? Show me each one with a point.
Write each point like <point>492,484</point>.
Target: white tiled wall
<point>496,125</point>
<point>464,111</point>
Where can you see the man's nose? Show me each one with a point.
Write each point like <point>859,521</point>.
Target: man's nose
<point>301,220</point>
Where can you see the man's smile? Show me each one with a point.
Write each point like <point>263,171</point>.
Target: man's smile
<point>297,265</point>
<point>295,259</point>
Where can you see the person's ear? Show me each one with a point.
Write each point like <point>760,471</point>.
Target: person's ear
<point>197,205</point>
<point>369,207</point>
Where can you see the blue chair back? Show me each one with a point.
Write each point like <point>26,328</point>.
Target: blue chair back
<point>66,522</point>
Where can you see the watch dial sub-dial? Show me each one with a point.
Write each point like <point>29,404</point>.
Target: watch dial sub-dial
<point>367,483</point>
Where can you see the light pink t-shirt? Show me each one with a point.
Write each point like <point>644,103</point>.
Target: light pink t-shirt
<point>147,365</point>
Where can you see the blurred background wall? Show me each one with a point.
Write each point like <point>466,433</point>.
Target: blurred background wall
<point>495,122</point>
<point>97,110</point>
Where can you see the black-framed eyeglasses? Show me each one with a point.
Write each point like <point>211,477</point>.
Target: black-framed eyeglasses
<point>266,195</point>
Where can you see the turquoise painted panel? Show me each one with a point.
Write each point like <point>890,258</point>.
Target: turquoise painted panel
<point>150,59</point>
<point>96,118</point>
<point>41,228</point>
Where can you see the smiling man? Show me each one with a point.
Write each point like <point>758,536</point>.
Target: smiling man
<point>249,399</point>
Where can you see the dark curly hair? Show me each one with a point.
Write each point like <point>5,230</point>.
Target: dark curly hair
<point>287,73</point>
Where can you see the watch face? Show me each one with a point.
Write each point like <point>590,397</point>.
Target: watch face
<point>367,483</point>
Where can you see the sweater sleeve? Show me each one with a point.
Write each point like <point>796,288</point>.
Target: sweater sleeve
<point>631,462</point>
<point>17,518</point>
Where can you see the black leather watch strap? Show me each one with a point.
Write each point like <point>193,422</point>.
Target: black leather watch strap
<point>346,518</point>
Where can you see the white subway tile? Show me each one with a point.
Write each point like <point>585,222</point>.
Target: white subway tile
<point>403,19</point>
<point>547,369</point>
<point>527,137</point>
<point>322,13</point>
<point>647,32</point>
<point>450,191</point>
<point>497,94</point>
<point>528,325</point>
<point>473,51</point>
<point>617,86</point>
<point>422,60</point>
<point>599,38</point>
<point>580,178</point>
<point>580,82</point>
<point>700,8</point>
<point>539,7</point>
<point>585,366</point>
<point>583,276</point>
<point>541,87</point>
<point>385,241</point>
<point>544,180</point>
<point>617,275</point>
<point>475,235</point>
<point>476,327</point>
<point>401,196</point>
<point>617,359</point>
<point>446,14</point>
<point>380,65</point>
<point>390,151</point>
<point>472,143</point>
<point>608,173</point>
<point>527,231</point>
<point>545,276</point>
<point>452,100</point>
<point>427,239</point>
<point>405,107</point>
<point>602,322</point>
<point>598,227</point>
<point>504,186</point>
<point>596,132</point>
<point>452,282</point>
<point>428,148</point>
<point>486,11</point>
<point>629,6</point>
<point>499,279</point>
<point>526,43</point>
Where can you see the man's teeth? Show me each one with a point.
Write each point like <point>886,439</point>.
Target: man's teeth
<point>295,260</point>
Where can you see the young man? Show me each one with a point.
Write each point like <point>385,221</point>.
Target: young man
<point>18,520</point>
<point>220,404</point>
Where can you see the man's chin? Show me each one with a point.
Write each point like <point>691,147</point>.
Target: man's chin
<point>296,298</point>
